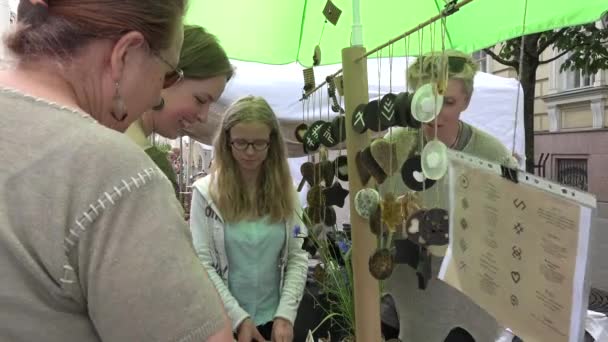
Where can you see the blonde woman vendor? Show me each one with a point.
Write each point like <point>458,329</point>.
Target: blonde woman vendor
<point>244,220</point>
<point>440,313</point>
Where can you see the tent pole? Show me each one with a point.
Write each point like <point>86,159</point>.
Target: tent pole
<point>366,288</point>
<point>357,30</point>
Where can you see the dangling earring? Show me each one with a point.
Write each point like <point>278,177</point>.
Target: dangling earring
<point>118,105</point>
<point>160,105</point>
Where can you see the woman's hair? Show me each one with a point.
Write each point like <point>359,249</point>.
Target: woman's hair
<point>59,28</point>
<point>426,69</point>
<point>202,56</point>
<point>274,195</point>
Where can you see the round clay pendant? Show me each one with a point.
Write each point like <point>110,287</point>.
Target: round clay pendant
<point>327,137</point>
<point>359,119</point>
<point>411,173</point>
<point>426,103</point>
<point>366,201</point>
<point>434,160</point>
<point>312,136</point>
<point>381,264</point>
<point>371,116</point>
<point>338,128</point>
<point>435,227</point>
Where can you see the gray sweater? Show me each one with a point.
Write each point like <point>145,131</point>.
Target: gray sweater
<point>92,243</point>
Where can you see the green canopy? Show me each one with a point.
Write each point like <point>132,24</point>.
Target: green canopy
<point>285,31</point>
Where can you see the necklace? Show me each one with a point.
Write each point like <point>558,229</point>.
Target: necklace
<point>457,135</point>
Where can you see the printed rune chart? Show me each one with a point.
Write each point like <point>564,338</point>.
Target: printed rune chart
<point>513,250</point>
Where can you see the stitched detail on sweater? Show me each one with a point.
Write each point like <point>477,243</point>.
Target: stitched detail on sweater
<point>105,201</point>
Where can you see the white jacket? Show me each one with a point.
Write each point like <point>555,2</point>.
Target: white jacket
<point>207,227</point>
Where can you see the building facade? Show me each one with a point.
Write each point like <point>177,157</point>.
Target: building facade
<point>570,123</point>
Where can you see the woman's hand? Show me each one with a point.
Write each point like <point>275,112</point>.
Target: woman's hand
<point>282,330</point>
<point>247,332</point>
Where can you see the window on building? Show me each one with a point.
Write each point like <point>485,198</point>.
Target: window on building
<point>574,79</point>
<point>572,172</point>
<point>482,60</point>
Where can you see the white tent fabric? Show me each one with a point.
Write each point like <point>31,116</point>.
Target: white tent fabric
<point>492,108</point>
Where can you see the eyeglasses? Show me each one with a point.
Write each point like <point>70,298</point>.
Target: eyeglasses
<point>172,77</point>
<point>455,63</point>
<point>257,145</point>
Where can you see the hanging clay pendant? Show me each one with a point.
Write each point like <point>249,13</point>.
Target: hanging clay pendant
<point>435,227</point>
<point>312,215</point>
<point>341,166</point>
<point>335,195</point>
<point>316,56</point>
<point>315,197</point>
<point>391,212</point>
<point>371,115</point>
<point>364,174</point>
<point>329,216</point>
<point>327,137</point>
<point>308,173</point>
<point>372,166</point>
<point>409,204</point>
<point>413,226</point>
<point>434,160</point>
<point>300,131</point>
<point>359,119</point>
<point>366,200</point>
<point>327,171</point>
<point>426,103</point>
<point>387,115</point>
<point>375,221</point>
<point>411,173</point>
<point>312,137</point>
<point>385,155</point>
<point>381,264</point>
<point>319,273</point>
<point>338,128</point>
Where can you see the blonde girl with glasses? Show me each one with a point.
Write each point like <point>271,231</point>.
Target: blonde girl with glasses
<point>245,216</point>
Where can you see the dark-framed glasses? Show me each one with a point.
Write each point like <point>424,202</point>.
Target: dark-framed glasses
<point>257,145</point>
<point>172,77</point>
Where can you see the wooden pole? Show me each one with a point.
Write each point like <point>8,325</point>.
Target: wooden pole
<point>366,288</point>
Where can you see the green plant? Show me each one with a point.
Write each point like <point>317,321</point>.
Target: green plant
<point>334,278</point>
<point>164,147</point>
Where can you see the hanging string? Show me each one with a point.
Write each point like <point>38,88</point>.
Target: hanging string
<point>390,67</point>
<point>322,31</point>
<point>390,129</point>
<point>435,79</point>
<point>420,68</point>
<point>340,130</point>
<point>407,63</point>
<point>308,123</point>
<point>379,59</point>
<point>521,57</point>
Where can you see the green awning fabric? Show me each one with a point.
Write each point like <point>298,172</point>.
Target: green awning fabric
<point>285,31</point>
